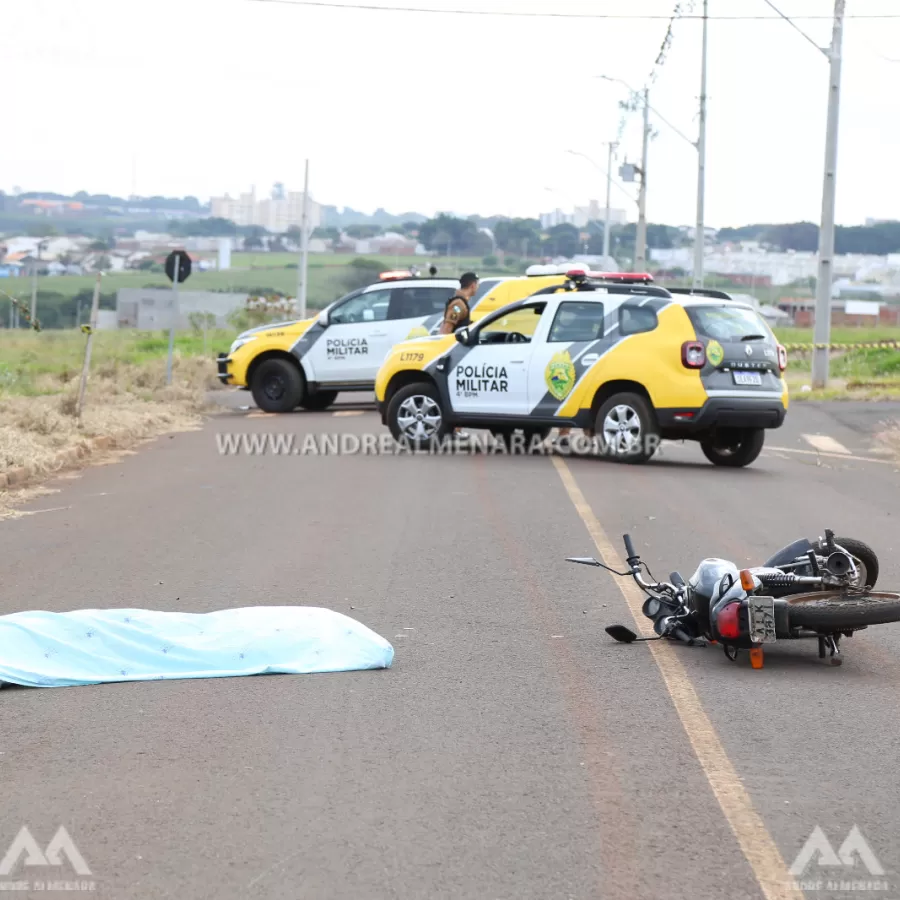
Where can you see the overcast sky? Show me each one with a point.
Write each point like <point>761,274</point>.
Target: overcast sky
<point>429,112</point>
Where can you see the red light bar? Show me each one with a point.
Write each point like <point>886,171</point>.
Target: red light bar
<point>621,276</point>
<point>385,276</point>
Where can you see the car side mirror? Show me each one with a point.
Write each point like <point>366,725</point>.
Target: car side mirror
<point>323,318</point>
<point>462,335</point>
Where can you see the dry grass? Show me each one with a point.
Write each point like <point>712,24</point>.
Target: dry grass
<point>888,440</point>
<point>126,401</point>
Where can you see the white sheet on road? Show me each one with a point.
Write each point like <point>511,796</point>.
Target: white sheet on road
<point>46,649</point>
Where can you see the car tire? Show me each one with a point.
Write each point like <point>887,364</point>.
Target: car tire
<point>416,417</point>
<point>318,401</point>
<point>734,448</point>
<point>627,428</point>
<point>277,386</point>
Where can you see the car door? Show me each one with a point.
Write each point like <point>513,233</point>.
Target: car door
<point>576,338</point>
<point>491,377</point>
<point>356,340</point>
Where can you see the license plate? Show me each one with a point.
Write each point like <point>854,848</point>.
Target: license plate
<point>761,619</point>
<point>747,378</point>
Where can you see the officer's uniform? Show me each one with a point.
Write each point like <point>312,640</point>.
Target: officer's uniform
<point>456,313</point>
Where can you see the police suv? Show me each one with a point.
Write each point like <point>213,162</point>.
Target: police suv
<point>307,363</point>
<point>630,363</point>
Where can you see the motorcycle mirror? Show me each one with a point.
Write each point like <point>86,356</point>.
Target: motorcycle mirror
<point>622,634</point>
<point>651,607</point>
<point>584,560</point>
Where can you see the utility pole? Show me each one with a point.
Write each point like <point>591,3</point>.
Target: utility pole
<point>34,278</point>
<point>825,275</point>
<point>304,244</point>
<point>640,250</point>
<point>612,148</point>
<point>700,233</point>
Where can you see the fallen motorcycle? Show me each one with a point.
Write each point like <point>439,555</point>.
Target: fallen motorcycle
<point>820,590</point>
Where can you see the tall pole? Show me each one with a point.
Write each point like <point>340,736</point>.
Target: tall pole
<point>700,233</point>
<point>609,163</point>
<point>825,275</point>
<point>34,287</point>
<point>173,323</point>
<point>640,251</point>
<point>304,244</point>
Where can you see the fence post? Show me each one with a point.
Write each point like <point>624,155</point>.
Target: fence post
<point>95,305</point>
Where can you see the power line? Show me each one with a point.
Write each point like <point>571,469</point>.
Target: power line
<point>625,17</point>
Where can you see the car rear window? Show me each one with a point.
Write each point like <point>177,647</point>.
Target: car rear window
<point>483,288</point>
<point>727,323</point>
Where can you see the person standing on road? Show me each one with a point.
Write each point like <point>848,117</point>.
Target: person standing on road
<point>458,311</point>
<point>458,314</point>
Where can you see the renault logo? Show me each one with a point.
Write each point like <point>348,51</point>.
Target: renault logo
<point>748,350</point>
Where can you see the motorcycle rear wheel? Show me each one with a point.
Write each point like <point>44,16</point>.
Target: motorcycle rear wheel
<point>833,611</point>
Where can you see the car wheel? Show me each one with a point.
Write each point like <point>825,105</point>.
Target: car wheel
<point>734,447</point>
<point>415,416</point>
<point>277,386</point>
<point>627,428</point>
<point>319,400</point>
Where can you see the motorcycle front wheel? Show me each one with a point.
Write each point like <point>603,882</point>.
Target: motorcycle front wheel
<point>833,611</point>
<point>865,559</point>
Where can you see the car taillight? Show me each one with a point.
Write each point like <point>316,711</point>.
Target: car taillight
<point>728,620</point>
<point>693,355</point>
<point>782,358</point>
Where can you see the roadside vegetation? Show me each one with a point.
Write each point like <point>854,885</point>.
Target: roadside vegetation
<point>127,398</point>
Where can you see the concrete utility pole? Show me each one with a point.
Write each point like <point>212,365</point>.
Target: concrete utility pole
<point>304,244</point>
<point>640,250</point>
<point>700,234</point>
<point>612,149</point>
<point>825,275</point>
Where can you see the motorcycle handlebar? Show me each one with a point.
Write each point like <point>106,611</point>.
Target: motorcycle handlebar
<point>629,547</point>
<point>682,635</point>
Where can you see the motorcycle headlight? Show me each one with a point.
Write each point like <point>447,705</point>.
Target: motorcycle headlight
<point>240,341</point>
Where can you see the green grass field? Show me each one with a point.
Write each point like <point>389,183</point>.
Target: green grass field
<point>250,273</point>
<point>40,363</point>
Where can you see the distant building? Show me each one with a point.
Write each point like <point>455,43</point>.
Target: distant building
<point>276,213</point>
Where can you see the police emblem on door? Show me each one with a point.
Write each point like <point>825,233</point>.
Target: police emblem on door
<point>560,375</point>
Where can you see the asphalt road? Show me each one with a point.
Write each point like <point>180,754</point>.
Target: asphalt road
<point>513,751</point>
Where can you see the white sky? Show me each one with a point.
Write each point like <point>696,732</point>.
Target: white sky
<point>428,112</point>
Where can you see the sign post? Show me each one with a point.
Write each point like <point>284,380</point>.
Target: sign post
<point>89,330</point>
<point>178,270</point>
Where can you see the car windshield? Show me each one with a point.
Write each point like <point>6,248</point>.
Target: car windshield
<point>728,323</point>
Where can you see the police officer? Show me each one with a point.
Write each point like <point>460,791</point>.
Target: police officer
<point>458,312</point>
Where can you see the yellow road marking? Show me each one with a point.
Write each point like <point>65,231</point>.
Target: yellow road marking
<point>260,415</point>
<point>349,412</point>
<point>756,843</point>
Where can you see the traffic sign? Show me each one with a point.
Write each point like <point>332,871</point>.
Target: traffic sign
<point>178,263</point>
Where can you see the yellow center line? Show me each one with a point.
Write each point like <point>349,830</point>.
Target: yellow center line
<point>755,842</point>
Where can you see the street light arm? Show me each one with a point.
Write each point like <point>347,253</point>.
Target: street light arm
<point>798,29</point>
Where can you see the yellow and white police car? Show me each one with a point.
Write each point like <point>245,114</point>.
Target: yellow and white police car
<point>307,363</point>
<point>629,363</point>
